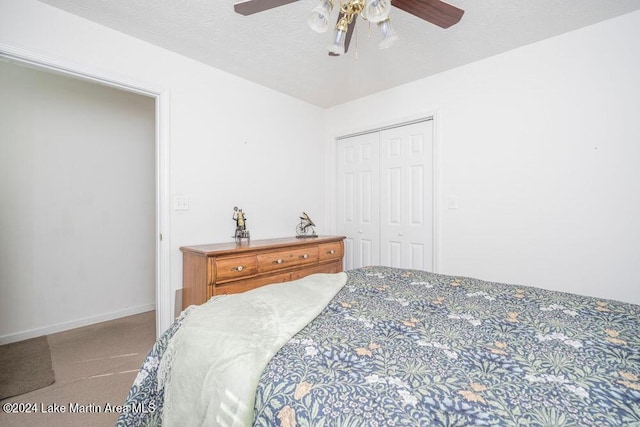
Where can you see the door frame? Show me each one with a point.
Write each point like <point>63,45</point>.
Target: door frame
<point>163,300</point>
<point>333,184</point>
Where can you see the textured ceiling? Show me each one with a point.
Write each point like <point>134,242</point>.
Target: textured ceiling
<point>276,48</point>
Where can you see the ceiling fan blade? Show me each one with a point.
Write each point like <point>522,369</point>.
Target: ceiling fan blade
<point>250,7</point>
<point>437,12</point>
<point>347,38</point>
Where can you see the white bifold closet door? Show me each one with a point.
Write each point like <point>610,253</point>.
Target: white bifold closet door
<point>359,199</point>
<point>385,197</point>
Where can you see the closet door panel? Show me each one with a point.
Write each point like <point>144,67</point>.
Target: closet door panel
<point>418,257</point>
<point>394,253</point>
<point>365,193</point>
<point>348,204</point>
<point>359,199</point>
<point>365,252</point>
<point>393,190</point>
<point>406,161</point>
<point>348,260</point>
<point>417,195</point>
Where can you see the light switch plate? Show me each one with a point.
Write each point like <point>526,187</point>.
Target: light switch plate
<point>181,203</point>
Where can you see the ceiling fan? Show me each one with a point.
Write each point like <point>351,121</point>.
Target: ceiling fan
<point>436,12</point>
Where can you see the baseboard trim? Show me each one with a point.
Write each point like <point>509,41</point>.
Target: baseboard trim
<point>78,323</point>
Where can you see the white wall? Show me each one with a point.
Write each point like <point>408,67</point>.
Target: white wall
<point>541,145</point>
<point>77,218</point>
<point>232,142</point>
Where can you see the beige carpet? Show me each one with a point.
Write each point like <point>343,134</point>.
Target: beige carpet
<point>94,367</point>
<point>25,366</point>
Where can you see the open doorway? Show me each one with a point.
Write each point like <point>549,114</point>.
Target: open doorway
<point>81,200</point>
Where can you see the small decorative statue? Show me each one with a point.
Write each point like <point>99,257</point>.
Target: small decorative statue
<point>305,228</point>
<point>241,225</point>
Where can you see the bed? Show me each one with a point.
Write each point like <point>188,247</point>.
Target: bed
<point>388,346</point>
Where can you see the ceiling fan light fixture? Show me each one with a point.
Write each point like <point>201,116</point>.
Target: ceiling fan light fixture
<point>389,35</point>
<point>437,12</point>
<point>376,10</point>
<point>339,36</point>
<point>318,19</point>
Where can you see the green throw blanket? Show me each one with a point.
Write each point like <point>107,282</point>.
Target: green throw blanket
<point>212,365</point>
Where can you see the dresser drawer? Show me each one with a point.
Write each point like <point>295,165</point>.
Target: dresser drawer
<point>329,251</point>
<point>287,258</point>
<point>246,285</point>
<point>235,268</point>
<point>332,267</point>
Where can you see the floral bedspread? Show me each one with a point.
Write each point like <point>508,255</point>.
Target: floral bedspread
<point>402,347</point>
<point>145,400</point>
<point>405,347</point>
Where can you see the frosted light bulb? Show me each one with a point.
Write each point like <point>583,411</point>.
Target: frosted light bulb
<point>376,10</point>
<point>337,42</point>
<point>389,35</point>
<point>318,19</point>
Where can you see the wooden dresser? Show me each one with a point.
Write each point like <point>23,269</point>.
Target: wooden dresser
<point>227,268</point>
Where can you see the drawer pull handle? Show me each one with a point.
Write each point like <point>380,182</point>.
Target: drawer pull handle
<point>238,268</point>
<point>331,252</point>
<point>305,256</point>
<point>278,261</point>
